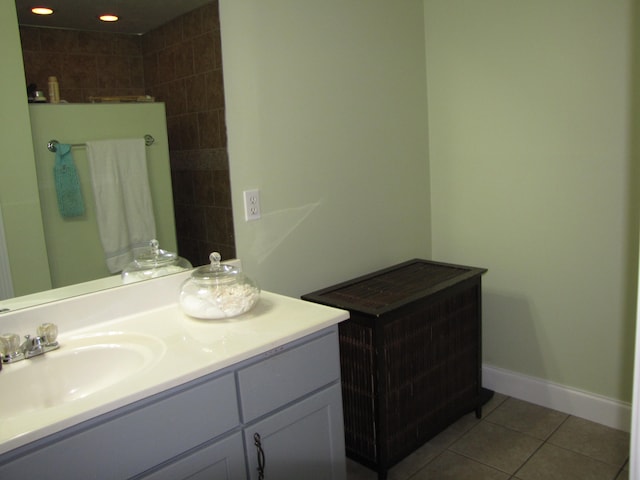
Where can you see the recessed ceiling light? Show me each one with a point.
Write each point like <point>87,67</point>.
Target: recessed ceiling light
<point>108,17</point>
<point>41,11</point>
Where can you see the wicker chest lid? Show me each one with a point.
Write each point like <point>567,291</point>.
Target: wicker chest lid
<point>390,288</point>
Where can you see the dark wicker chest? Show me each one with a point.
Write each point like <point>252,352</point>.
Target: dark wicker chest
<point>410,356</point>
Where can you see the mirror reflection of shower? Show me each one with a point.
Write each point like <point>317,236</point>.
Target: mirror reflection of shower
<point>186,75</point>
<point>123,184</point>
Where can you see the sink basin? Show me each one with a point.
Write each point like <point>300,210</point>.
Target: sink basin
<point>82,366</point>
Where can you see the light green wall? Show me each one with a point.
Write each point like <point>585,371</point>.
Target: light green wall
<point>529,160</point>
<point>73,244</point>
<point>18,188</point>
<point>529,155</point>
<point>326,115</point>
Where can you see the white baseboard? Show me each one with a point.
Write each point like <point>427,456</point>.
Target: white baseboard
<point>590,406</point>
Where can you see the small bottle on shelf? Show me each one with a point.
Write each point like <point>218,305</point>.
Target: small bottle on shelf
<point>54,90</point>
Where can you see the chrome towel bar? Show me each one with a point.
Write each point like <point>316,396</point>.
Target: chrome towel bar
<point>52,144</point>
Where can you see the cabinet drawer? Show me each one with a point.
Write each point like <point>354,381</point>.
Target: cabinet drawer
<point>223,460</point>
<point>284,377</point>
<point>135,441</point>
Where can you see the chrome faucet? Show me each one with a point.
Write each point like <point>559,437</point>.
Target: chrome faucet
<point>11,350</point>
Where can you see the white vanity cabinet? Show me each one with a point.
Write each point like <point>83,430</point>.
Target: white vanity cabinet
<point>289,396</point>
<point>291,407</point>
<point>302,441</point>
<point>222,460</point>
<point>132,439</point>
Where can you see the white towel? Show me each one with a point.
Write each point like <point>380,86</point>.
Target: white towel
<point>124,208</point>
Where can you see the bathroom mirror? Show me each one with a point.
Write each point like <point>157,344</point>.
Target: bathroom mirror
<point>214,182</point>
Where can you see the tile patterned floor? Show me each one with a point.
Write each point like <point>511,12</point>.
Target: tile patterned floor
<point>515,440</point>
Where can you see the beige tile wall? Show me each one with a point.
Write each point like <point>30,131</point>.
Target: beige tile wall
<point>85,63</point>
<point>183,68</point>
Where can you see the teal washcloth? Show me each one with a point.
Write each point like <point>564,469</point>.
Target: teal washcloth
<point>70,201</point>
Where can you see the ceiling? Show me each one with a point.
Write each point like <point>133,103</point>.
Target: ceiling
<point>136,16</point>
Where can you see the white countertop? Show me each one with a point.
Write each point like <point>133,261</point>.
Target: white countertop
<point>189,348</point>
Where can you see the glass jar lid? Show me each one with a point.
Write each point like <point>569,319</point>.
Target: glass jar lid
<point>153,256</point>
<point>216,273</point>
<point>151,262</point>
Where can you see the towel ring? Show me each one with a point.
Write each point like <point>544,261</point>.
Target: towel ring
<point>52,145</point>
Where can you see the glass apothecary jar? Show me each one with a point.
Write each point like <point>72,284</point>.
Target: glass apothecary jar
<point>152,262</point>
<point>218,291</point>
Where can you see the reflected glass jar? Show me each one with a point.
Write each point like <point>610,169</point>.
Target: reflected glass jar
<point>152,262</point>
<point>218,291</point>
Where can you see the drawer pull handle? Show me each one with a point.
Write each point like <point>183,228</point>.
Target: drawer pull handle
<point>257,441</point>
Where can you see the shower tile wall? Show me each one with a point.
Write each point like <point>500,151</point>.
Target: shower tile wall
<point>179,63</point>
<point>183,67</point>
<point>85,63</point>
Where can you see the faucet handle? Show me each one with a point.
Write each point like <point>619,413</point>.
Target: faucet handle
<point>49,332</point>
<point>9,343</point>
<point>9,346</point>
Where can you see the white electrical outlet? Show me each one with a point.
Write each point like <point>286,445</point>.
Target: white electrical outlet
<point>251,205</point>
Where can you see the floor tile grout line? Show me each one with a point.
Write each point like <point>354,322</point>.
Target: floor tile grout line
<point>584,455</point>
<point>618,473</point>
<point>542,441</point>
<point>547,442</point>
<point>475,460</point>
<point>410,476</point>
<point>493,467</point>
<point>515,430</point>
<point>501,402</point>
<point>448,446</point>
<point>621,469</point>
<point>470,425</point>
<point>578,452</point>
<point>542,444</point>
